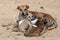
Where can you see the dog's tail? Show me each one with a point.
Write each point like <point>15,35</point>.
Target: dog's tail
<point>6,25</point>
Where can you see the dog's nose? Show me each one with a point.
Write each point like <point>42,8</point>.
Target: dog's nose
<point>23,14</point>
<point>32,19</point>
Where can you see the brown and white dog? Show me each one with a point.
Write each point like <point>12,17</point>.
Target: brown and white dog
<point>47,21</point>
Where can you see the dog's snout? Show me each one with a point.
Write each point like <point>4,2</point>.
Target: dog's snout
<point>32,19</point>
<point>23,14</point>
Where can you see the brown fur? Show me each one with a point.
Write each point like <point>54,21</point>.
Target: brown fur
<point>51,23</point>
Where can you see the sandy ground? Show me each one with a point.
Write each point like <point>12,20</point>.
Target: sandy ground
<point>8,10</point>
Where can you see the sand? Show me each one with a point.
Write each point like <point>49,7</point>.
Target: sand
<point>8,8</point>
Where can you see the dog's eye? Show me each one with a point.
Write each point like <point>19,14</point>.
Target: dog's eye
<point>20,9</point>
<point>25,9</point>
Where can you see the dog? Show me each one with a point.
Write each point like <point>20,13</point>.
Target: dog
<point>44,18</point>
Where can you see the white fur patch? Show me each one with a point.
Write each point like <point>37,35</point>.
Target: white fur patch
<point>34,25</point>
<point>34,21</point>
<point>20,22</point>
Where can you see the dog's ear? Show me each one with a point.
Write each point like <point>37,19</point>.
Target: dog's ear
<point>18,7</point>
<point>27,6</point>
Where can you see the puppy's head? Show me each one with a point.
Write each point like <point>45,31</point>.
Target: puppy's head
<point>23,9</point>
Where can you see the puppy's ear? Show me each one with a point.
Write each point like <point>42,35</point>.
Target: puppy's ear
<point>18,7</point>
<point>27,6</point>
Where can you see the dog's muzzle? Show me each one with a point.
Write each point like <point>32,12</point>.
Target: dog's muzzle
<point>23,14</point>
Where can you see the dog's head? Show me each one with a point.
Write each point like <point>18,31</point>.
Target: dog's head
<point>23,9</point>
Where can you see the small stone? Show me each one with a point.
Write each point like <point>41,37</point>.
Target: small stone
<point>16,38</point>
<point>42,7</point>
